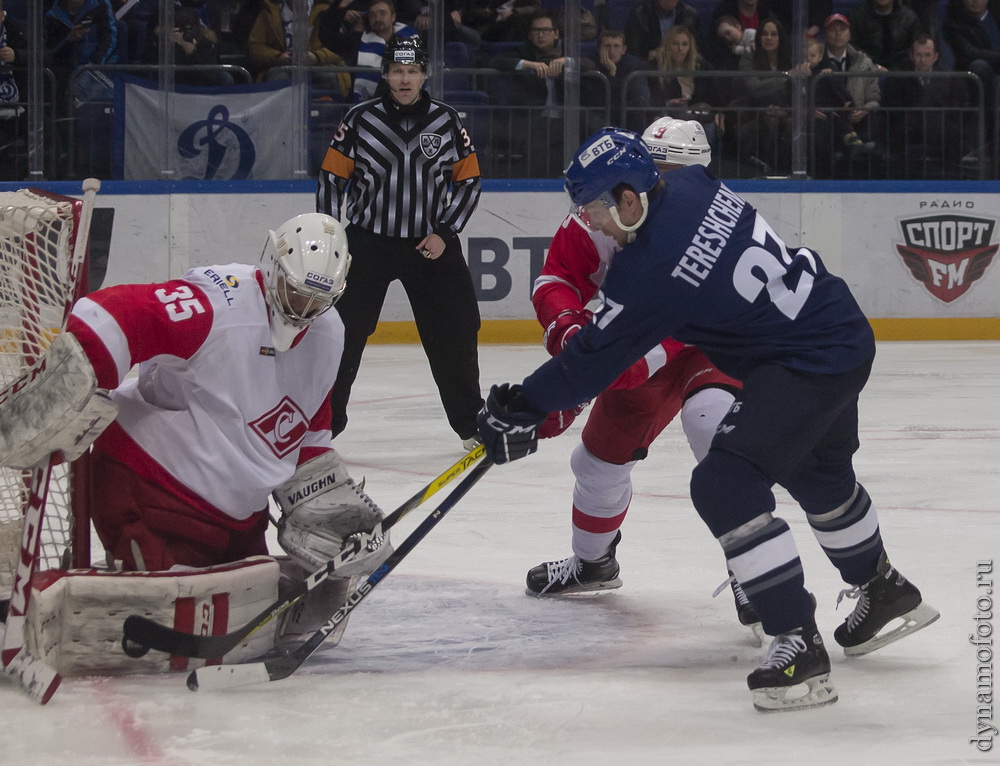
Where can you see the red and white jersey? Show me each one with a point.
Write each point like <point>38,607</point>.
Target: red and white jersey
<point>574,270</point>
<point>216,416</point>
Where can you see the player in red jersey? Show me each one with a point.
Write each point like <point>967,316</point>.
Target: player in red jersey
<point>671,379</point>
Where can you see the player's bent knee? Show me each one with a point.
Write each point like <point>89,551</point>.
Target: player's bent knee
<point>728,491</point>
<point>606,484</point>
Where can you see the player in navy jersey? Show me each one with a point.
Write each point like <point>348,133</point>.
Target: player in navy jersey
<point>701,265</point>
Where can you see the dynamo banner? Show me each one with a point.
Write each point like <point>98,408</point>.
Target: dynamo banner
<point>233,133</point>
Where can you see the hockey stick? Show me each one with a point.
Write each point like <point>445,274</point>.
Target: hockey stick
<point>38,679</point>
<point>215,677</point>
<point>143,634</point>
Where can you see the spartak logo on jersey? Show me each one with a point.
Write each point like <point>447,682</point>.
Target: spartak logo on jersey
<point>282,428</point>
<point>947,252</point>
<point>430,144</point>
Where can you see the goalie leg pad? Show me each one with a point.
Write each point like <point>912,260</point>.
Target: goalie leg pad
<point>74,621</point>
<point>323,511</point>
<point>54,407</point>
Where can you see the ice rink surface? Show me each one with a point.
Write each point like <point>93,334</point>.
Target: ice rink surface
<point>449,663</point>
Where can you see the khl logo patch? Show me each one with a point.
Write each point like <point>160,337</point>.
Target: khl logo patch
<point>430,144</point>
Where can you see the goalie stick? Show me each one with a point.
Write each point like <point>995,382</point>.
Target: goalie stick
<point>142,634</point>
<point>37,679</point>
<point>216,677</point>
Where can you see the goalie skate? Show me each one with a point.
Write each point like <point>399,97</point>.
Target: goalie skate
<point>574,575</point>
<point>795,675</point>
<point>885,598</point>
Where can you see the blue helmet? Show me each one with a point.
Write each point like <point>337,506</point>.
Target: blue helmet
<point>610,157</point>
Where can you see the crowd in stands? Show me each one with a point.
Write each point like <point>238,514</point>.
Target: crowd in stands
<point>728,63</point>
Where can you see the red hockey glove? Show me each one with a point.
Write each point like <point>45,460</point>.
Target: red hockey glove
<point>564,327</point>
<point>557,422</point>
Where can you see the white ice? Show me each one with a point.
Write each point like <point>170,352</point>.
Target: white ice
<point>449,663</point>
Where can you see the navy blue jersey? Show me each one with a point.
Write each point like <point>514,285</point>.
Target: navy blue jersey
<point>707,269</point>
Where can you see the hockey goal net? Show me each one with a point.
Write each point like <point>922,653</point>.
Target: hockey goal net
<point>38,282</point>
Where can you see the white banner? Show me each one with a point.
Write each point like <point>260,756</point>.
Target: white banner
<point>213,133</point>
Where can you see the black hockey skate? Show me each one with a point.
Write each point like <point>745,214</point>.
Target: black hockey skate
<point>795,675</point>
<point>886,597</point>
<point>574,575</point>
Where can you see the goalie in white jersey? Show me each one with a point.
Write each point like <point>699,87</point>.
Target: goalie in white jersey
<point>231,404</point>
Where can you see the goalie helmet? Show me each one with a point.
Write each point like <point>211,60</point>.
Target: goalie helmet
<point>679,142</point>
<point>305,263</point>
<point>405,50</point>
<point>607,159</point>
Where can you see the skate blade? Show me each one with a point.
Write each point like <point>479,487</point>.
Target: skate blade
<point>578,590</point>
<point>779,699</point>
<point>758,634</point>
<point>919,617</point>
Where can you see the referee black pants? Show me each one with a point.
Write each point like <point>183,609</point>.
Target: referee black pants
<point>445,311</point>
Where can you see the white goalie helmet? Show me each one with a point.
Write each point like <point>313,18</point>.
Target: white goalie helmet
<point>305,263</point>
<point>680,142</point>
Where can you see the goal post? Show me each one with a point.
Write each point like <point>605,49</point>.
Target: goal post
<point>39,280</point>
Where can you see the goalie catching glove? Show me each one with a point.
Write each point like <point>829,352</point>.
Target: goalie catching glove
<point>323,511</point>
<point>55,407</point>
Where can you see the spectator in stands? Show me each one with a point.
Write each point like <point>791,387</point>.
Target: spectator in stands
<point>732,42</point>
<point>925,131</point>
<point>685,97</point>
<point>194,45</point>
<point>270,44</point>
<point>12,45</point>
<point>885,30</point>
<point>816,12</point>
<point>455,28</point>
<point>972,28</point>
<point>382,27</point>
<point>588,24</point>
<point>750,13</point>
<point>616,63</point>
<point>79,32</point>
<point>853,98</point>
<point>765,133</point>
<point>650,20</point>
<point>537,66</point>
<point>509,20</point>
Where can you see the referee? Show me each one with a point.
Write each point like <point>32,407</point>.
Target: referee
<point>408,173</point>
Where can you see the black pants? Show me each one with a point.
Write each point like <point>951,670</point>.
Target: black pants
<point>444,308</point>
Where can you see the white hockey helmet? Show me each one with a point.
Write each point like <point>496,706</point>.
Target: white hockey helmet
<point>680,142</point>
<point>305,263</point>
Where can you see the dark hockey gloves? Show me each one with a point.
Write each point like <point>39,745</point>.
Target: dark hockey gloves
<point>508,425</point>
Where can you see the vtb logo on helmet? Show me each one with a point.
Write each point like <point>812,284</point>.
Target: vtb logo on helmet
<point>609,158</point>
<point>305,263</point>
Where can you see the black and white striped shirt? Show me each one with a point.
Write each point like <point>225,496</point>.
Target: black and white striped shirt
<point>404,171</point>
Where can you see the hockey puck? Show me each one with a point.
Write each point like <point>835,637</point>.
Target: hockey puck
<point>133,648</point>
